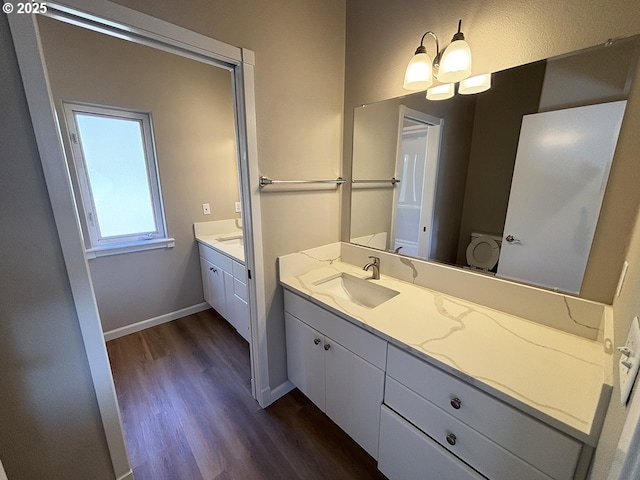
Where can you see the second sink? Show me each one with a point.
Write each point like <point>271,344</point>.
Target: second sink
<point>360,291</point>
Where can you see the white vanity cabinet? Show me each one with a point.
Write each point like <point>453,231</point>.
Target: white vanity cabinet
<point>224,282</point>
<point>338,366</point>
<point>213,285</point>
<point>496,439</point>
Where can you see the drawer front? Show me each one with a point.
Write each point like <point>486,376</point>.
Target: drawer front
<point>477,450</point>
<point>217,258</point>
<point>240,271</point>
<point>364,344</point>
<point>549,450</point>
<point>407,454</point>
<point>240,289</point>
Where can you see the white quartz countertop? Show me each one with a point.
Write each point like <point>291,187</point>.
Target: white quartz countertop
<point>552,375</point>
<point>228,243</point>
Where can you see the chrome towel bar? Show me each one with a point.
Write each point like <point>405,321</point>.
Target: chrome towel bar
<point>392,181</point>
<point>264,181</point>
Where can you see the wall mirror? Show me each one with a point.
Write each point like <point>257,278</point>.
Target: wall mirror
<point>508,182</point>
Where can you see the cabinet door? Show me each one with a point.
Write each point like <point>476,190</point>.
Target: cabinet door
<point>215,287</point>
<point>241,314</point>
<point>353,395</point>
<point>406,453</point>
<point>204,270</point>
<point>305,359</point>
<point>230,311</point>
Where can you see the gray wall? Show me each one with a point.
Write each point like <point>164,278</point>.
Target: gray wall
<point>49,418</point>
<point>191,105</point>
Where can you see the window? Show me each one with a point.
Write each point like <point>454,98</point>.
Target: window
<point>116,169</point>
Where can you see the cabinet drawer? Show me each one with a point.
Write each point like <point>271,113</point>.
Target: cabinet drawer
<point>240,272</point>
<point>215,257</point>
<point>364,344</point>
<point>477,450</point>
<point>240,289</point>
<point>549,450</point>
<point>406,453</point>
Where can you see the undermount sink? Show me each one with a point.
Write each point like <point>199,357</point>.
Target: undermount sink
<point>231,240</point>
<point>360,291</point>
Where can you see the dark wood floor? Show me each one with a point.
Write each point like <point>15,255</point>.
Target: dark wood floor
<point>185,397</point>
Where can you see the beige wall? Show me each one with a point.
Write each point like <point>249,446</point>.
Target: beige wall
<point>299,81</point>
<point>49,418</point>
<point>191,105</point>
<point>382,36</point>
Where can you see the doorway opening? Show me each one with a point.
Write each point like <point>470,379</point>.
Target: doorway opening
<point>140,29</point>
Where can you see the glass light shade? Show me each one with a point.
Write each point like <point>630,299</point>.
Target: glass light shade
<point>419,74</point>
<point>476,84</point>
<point>455,64</point>
<point>440,92</point>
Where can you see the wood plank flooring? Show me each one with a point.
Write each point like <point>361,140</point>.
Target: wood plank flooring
<point>185,398</point>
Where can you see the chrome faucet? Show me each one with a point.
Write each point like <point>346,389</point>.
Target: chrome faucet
<point>376,268</point>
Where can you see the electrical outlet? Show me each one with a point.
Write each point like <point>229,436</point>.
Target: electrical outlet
<point>206,209</point>
<point>237,207</point>
<point>629,361</point>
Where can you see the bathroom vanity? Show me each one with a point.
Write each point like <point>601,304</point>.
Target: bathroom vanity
<point>430,382</point>
<point>224,274</point>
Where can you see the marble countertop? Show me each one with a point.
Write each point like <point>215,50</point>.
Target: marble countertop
<point>554,376</point>
<point>228,243</point>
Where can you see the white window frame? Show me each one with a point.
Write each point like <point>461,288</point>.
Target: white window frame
<point>97,245</point>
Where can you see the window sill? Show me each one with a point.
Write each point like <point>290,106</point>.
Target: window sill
<point>117,249</point>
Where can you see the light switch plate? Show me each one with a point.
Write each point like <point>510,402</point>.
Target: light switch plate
<point>629,361</point>
<point>237,207</point>
<point>206,209</point>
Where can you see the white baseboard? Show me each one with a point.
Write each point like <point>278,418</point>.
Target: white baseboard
<point>270,395</point>
<point>126,476</point>
<point>152,322</point>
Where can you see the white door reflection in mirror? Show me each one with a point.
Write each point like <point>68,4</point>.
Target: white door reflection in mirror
<point>416,167</point>
<point>561,171</point>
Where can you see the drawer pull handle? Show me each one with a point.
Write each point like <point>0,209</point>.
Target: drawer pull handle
<point>316,341</point>
<point>327,346</point>
<point>213,270</point>
<point>456,403</point>
<point>451,439</point>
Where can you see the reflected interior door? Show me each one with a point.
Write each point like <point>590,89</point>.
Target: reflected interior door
<point>561,171</point>
<point>419,139</point>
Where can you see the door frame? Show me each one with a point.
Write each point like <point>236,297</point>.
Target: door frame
<point>106,17</point>
<point>434,139</point>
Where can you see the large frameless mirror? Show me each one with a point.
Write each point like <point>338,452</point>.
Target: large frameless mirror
<point>508,182</point>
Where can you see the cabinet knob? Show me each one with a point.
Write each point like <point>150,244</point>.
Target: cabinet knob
<point>316,341</point>
<point>327,346</point>
<point>451,439</point>
<point>213,270</point>
<point>456,403</point>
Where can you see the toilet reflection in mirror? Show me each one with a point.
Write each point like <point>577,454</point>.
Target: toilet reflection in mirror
<point>456,161</point>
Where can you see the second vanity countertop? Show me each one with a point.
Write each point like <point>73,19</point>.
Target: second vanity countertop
<point>228,243</point>
<point>552,375</point>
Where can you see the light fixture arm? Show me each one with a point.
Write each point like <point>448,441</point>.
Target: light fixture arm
<point>438,55</point>
<point>422,49</point>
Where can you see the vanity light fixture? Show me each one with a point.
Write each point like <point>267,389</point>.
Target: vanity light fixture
<point>441,92</point>
<point>476,84</point>
<point>449,66</point>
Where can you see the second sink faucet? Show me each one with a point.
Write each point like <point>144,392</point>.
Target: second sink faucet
<point>376,267</point>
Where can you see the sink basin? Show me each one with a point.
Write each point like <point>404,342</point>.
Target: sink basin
<point>231,240</point>
<point>361,291</point>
